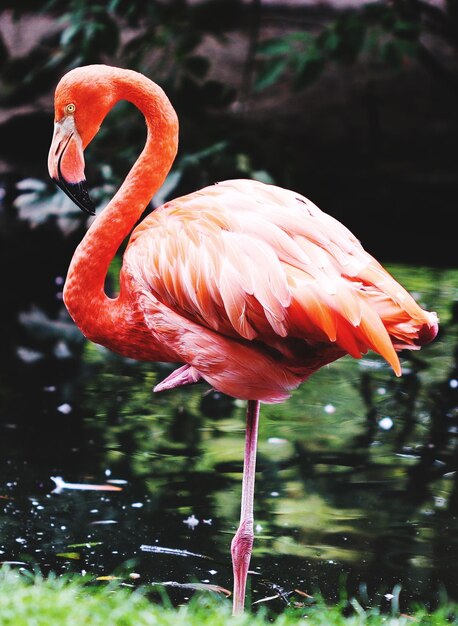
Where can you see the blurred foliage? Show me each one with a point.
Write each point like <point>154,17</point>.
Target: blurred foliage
<point>164,41</point>
<point>386,34</point>
<point>159,39</point>
<point>30,599</point>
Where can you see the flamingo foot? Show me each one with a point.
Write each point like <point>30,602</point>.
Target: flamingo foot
<point>241,547</point>
<point>184,375</point>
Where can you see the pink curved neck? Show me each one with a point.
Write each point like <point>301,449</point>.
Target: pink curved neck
<point>84,293</point>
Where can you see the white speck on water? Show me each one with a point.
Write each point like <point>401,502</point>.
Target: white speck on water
<point>136,505</point>
<point>191,521</point>
<point>205,580</point>
<point>453,383</point>
<point>329,409</point>
<point>61,350</point>
<point>49,388</point>
<point>258,528</point>
<point>63,528</point>
<point>212,571</point>
<point>134,575</point>
<point>274,494</point>
<point>64,408</point>
<point>389,596</point>
<point>21,540</point>
<point>108,472</point>
<point>207,521</point>
<point>94,511</point>
<point>277,441</point>
<point>386,423</point>
<point>381,391</point>
<point>59,280</point>
<point>27,355</point>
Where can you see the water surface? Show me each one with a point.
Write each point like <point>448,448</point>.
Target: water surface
<point>356,487</point>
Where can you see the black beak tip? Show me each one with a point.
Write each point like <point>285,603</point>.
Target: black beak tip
<point>78,193</point>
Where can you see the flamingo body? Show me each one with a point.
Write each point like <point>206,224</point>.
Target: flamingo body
<point>254,288</point>
<point>248,286</point>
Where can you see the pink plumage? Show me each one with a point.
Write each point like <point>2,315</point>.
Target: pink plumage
<point>255,288</point>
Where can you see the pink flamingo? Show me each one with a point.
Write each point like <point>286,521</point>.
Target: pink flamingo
<point>249,286</point>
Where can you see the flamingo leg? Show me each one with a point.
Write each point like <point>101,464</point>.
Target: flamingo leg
<point>242,542</point>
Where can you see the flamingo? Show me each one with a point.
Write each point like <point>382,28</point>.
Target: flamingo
<point>247,286</point>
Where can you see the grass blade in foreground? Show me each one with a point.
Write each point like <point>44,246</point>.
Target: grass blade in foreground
<point>65,603</point>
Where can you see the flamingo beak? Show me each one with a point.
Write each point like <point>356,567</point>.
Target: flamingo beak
<point>66,163</point>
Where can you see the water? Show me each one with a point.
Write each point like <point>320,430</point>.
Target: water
<point>357,484</point>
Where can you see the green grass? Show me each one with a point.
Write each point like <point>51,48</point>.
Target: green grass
<point>60,602</point>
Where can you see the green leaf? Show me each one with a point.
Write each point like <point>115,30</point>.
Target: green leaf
<point>302,37</point>
<point>87,544</point>
<point>330,40</point>
<point>69,34</point>
<point>270,73</point>
<point>75,556</point>
<point>404,28</point>
<point>274,47</point>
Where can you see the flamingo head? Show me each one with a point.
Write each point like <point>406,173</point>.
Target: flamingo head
<point>82,100</point>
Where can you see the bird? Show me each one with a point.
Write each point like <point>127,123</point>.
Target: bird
<point>243,285</point>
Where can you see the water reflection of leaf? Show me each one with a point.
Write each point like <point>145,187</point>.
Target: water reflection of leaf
<point>40,325</point>
<point>75,556</point>
<point>87,544</point>
<point>195,587</point>
<point>172,551</point>
<point>287,545</point>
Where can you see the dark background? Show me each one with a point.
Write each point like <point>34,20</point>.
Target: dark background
<point>357,110</point>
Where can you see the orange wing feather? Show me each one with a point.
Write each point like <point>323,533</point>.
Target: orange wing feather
<point>264,268</point>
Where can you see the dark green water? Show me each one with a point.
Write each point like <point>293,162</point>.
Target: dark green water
<point>357,484</point>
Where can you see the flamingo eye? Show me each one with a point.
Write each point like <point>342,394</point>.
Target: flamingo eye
<point>70,108</point>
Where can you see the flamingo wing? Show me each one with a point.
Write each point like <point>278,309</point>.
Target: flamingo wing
<point>258,264</point>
